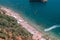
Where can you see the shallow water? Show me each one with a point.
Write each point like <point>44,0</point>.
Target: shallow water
<point>42,13</point>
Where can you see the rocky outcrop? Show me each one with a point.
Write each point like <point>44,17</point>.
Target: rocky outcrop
<point>38,0</point>
<point>43,0</point>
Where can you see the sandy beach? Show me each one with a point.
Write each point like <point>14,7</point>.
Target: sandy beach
<point>36,34</point>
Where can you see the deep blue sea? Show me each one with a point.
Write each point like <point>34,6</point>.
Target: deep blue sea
<point>42,13</point>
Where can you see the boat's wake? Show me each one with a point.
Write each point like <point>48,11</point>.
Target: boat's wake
<point>51,28</point>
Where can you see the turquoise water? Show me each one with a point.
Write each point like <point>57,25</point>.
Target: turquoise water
<point>42,13</point>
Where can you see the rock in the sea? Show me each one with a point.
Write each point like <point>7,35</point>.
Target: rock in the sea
<point>35,0</point>
<point>38,0</point>
<point>43,0</point>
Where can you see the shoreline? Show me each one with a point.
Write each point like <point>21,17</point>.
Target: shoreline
<point>40,28</point>
<point>35,32</point>
<point>36,35</point>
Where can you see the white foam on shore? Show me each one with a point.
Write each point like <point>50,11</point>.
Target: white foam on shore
<point>51,28</point>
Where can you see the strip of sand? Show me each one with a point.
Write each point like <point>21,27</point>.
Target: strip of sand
<point>36,34</point>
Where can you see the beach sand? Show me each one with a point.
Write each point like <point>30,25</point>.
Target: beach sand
<point>37,35</point>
